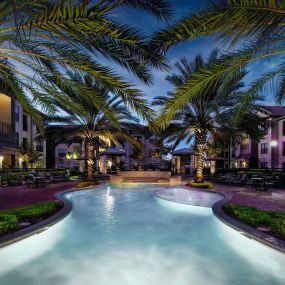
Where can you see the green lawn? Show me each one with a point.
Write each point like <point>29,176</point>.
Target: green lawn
<point>10,219</point>
<point>274,220</point>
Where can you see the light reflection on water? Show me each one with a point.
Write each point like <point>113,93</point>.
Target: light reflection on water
<point>127,236</point>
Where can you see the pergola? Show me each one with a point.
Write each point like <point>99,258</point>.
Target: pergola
<point>109,156</point>
<point>181,157</point>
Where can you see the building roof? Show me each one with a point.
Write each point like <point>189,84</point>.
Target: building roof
<point>183,151</point>
<point>275,111</point>
<point>114,151</point>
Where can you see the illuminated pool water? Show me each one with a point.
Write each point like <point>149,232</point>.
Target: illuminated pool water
<point>128,236</point>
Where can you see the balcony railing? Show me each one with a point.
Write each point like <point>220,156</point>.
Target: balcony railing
<point>5,129</point>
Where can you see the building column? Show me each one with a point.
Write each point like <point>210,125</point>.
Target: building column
<point>103,164</point>
<point>178,163</point>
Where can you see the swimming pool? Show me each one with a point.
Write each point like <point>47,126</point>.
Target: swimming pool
<point>128,236</point>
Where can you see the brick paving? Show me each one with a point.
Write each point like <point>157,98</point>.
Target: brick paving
<point>14,197</point>
<point>264,200</point>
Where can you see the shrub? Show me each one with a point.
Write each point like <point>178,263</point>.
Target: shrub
<point>11,179</point>
<point>202,185</point>
<point>7,223</point>
<point>274,220</point>
<point>85,184</point>
<point>35,211</point>
<point>10,219</point>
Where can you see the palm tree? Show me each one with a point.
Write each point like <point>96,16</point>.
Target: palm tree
<point>207,113</point>
<point>41,40</point>
<point>248,30</point>
<point>29,155</point>
<point>92,125</point>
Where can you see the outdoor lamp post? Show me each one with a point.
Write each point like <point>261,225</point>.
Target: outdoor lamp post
<point>273,144</point>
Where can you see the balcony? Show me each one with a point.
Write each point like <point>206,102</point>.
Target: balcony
<point>5,129</point>
<point>7,136</point>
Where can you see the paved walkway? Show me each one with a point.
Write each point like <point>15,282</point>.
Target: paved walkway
<point>271,200</point>
<point>13,197</point>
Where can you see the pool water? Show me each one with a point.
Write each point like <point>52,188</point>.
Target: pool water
<point>128,236</point>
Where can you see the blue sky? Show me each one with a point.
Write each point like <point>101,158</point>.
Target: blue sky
<point>204,46</point>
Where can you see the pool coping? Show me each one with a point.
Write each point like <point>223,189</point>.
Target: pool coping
<point>43,225</point>
<point>242,228</point>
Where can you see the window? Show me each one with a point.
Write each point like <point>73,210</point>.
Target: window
<point>263,164</point>
<point>17,138</point>
<point>17,113</point>
<point>25,143</point>
<point>233,153</point>
<point>283,128</point>
<point>264,148</point>
<point>283,148</point>
<point>264,130</point>
<point>61,152</point>
<point>39,145</point>
<point>25,122</point>
<point>226,154</point>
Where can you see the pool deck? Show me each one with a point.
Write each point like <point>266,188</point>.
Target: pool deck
<point>265,200</point>
<point>17,196</point>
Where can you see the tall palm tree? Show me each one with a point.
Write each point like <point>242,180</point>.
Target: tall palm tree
<point>208,113</point>
<point>248,30</point>
<point>40,40</point>
<point>90,124</point>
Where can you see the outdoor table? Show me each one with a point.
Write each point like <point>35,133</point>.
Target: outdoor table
<point>259,182</point>
<point>39,181</point>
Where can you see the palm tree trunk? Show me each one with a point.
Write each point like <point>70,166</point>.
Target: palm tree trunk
<point>90,160</point>
<point>201,147</point>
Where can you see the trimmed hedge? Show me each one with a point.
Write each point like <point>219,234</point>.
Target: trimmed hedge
<point>10,219</point>
<point>202,185</point>
<point>274,220</point>
<point>11,179</point>
<point>8,223</point>
<point>15,179</point>
<point>86,184</point>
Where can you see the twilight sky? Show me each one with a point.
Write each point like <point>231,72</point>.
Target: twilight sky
<point>182,8</point>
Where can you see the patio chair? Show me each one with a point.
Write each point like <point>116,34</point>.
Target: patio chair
<point>242,179</point>
<point>272,181</point>
<point>25,181</point>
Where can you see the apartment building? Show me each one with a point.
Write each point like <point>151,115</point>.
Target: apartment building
<point>271,148</point>
<point>269,152</point>
<point>123,154</point>
<point>17,130</point>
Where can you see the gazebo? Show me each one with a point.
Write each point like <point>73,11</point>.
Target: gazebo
<point>183,160</point>
<point>109,157</point>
